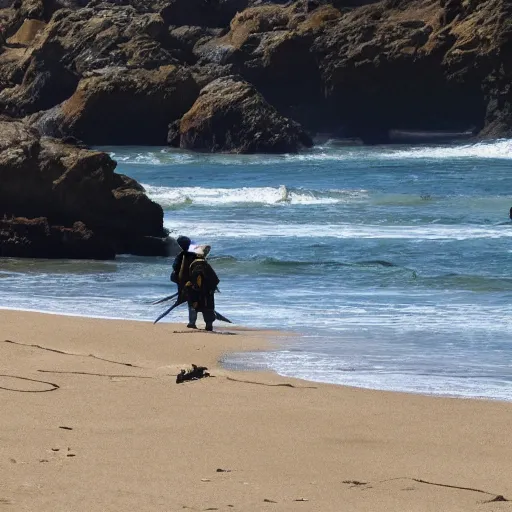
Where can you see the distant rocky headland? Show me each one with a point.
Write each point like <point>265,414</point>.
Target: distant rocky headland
<point>242,76</point>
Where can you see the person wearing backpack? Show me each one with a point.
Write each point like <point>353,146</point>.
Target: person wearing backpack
<point>181,275</point>
<point>200,289</point>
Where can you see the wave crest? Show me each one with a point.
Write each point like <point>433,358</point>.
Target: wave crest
<point>170,198</point>
<point>497,149</point>
<point>501,149</point>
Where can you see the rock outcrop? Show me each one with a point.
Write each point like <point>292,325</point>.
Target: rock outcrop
<point>424,64</point>
<point>271,46</point>
<point>351,67</point>
<point>122,107</point>
<point>87,208</point>
<point>76,43</point>
<point>230,115</point>
<point>415,65</point>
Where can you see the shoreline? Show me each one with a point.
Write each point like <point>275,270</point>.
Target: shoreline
<point>265,337</point>
<point>116,422</point>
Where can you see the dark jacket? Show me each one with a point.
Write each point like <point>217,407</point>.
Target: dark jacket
<point>181,268</point>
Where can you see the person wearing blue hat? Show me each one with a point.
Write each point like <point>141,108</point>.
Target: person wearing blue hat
<point>181,274</point>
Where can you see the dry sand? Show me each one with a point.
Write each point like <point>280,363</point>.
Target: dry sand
<point>134,440</point>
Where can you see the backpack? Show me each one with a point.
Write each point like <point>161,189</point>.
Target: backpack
<point>202,276</point>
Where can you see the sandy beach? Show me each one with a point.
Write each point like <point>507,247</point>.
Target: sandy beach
<point>93,420</point>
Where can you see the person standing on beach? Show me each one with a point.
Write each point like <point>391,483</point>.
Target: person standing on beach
<point>201,287</point>
<point>181,275</point>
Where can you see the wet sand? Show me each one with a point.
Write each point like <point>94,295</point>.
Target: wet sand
<point>92,420</point>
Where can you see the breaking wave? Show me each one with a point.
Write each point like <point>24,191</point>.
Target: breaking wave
<point>170,198</point>
<point>262,229</point>
<point>501,149</point>
<point>498,149</point>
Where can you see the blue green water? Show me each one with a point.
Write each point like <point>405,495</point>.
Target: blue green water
<point>392,263</point>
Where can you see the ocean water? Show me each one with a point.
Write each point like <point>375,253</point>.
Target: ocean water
<point>392,264</point>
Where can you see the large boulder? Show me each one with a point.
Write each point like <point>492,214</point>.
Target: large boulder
<point>230,115</point>
<point>43,177</point>
<point>184,38</point>
<point>122,107</point>
<point>271,47</point>
<point>44,81</point>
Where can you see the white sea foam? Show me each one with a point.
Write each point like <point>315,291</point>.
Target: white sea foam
<point>332,370</point>
<point>154,158</point>
<point>169,197</point>
<point>168,157</point>
<point>499,149</point>
<point>397,358</point>
<point>341,231</point>
<point>462,318</point>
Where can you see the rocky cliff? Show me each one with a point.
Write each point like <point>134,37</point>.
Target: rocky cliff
<point>131,68</point>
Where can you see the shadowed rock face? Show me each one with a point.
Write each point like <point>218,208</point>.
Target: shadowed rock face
<point>403,69</point>
<point>230,115</point>
<point>428,65</point>
<point>205,13</point>
<point>43,177</point>
<point>36,238</point>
